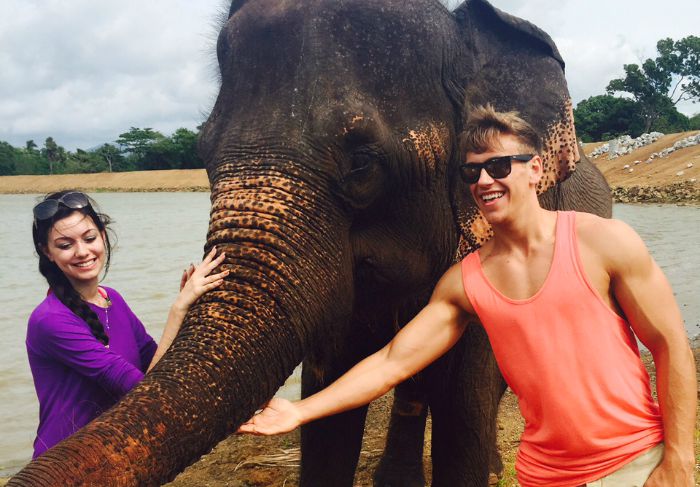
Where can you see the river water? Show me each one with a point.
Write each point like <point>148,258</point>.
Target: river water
<point>159,234</point>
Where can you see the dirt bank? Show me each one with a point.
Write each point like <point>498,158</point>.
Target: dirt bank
<point>671,179</point>
<point>172,180</point>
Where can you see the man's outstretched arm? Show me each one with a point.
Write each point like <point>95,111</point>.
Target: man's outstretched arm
<point>425,338</point>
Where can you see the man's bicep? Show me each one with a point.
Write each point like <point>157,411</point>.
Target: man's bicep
<point>428,336</point>
<point>450,289</point>
<point>645,296</point>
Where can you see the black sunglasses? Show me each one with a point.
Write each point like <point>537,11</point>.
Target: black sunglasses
<point>496,167</point>
<point>48,208</point>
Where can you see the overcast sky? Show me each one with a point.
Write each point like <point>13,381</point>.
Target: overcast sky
<point>84,71</point>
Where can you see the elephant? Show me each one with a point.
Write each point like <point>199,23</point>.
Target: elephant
<point>332,153</point>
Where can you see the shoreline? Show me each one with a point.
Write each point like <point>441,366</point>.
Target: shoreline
<point>684,193</point>
<point>195,180</point>
<point>171,180</point>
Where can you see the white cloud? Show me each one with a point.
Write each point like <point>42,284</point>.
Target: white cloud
<point>84,71</point>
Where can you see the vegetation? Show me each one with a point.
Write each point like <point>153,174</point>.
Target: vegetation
<point>135,150</point>
<point>652,91</point>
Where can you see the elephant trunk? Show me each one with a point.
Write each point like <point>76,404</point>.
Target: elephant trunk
<point>237,345</point>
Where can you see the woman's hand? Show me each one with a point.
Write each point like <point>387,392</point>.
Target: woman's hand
<point>198,280</point>
<point>279,416</point>
<point>195,282</point>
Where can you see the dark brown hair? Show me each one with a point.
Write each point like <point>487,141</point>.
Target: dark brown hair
<point>484,126</point>
<point>59,283</point>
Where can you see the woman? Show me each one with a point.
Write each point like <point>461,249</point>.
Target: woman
<point>86,347</point>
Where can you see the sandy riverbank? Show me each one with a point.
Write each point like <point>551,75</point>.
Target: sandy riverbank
<point>171,180</point>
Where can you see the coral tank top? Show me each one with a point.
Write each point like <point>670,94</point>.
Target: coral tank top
<point>575,367</point>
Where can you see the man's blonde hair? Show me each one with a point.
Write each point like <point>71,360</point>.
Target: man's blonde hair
<point>485,125</point>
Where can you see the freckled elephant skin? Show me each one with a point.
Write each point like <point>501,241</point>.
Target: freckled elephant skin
<point>332,155</point>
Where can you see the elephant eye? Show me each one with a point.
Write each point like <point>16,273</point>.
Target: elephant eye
<point>361,161</point>
<point>363,183</point>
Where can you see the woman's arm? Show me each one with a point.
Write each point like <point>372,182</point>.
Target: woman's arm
<point>63,337</point>
<point>195,282</point>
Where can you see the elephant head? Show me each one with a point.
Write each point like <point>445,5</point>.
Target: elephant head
<point>332,155</point>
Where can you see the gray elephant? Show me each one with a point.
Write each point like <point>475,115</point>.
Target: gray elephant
<point>332,155</point>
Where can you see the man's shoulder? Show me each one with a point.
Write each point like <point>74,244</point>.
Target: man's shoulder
<point>589,226</point>
<point>450,288</point>
<point>613,240</point>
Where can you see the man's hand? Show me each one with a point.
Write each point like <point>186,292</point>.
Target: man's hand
<point>667,475</point>
<point>278,416</point>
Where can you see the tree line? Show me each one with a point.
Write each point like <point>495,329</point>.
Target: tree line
<point>138,149</point>
<point>645,98</point>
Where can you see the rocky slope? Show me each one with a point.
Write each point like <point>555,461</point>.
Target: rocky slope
<point>653,173</point>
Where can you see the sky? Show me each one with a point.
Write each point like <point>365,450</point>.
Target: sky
<point>84,71</point>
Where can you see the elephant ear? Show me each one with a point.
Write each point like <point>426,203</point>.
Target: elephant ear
<point>515,66</point>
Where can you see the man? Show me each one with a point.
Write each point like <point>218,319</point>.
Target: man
<point>561,296</point>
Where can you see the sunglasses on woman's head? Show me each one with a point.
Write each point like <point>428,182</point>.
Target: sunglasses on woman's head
<point>496,167</point>
<point>48,208</point>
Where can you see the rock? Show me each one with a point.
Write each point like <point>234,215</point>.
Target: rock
<point>680,173</point>
<point>682,192</point>
<point>690,164</point>
<point>624,145</point>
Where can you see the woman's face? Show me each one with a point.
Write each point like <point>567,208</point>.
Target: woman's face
<point>77,247</point>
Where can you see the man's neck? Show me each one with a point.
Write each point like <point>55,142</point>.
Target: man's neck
<point>527,229</point>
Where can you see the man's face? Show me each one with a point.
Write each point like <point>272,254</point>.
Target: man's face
<point>496,197</point>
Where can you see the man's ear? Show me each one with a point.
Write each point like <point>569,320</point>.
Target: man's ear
<point>536,170</point>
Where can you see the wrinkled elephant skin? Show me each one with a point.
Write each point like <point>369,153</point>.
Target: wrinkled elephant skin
<point>332,156</point>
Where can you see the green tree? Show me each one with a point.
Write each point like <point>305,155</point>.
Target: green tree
<point>112,157</point>
<point>30,146</point>
<point>53,153</point>
<point>605,117</point>
<point>8,156</point>
<point>137,141</point>
<point>670,78</point>
<point>694,122</point>
<point>161,155</point>
<point>185,142</point>
<point>84,162</point>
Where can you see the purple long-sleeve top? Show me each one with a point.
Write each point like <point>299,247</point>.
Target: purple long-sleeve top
<point>75,376</point>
